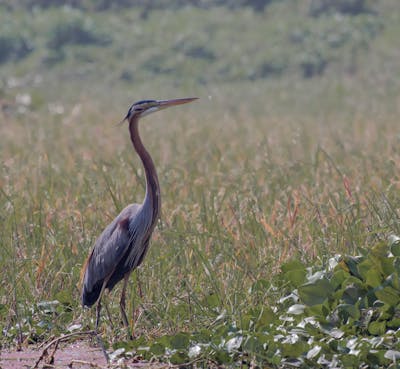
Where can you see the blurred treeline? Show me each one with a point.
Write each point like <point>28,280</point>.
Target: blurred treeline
<point>317,7</point>
<point>196,42</point>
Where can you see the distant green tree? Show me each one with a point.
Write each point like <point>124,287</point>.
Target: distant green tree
<point>101,5</point>
<point>352,7</point>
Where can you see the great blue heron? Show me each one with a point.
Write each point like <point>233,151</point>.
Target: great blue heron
<point>124,243</point>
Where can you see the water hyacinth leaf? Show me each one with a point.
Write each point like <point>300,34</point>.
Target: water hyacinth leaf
<point>128,345</point>
<point>294,272</point>
<point>377,328</point>
<point>296,309</point>
<point>313,352</point>
<point>203,336</point>
<point>293,264</point>
<point>313,277</point>
<point>315,293</point>
<point>264,317</point>
<point>370,271</point>
<point>336,333</point>
<point>392,355</point>
<point>294,350</point>
<point>234,343</point>
<point>393,239</point>
<point>339,276</point>
<point>352,293</point>
<point>387,266</point>
<point>388,295</point>
<point>352,265</point>
<point>394,323</point>
<point>179,357</point>
<point>179,341</point>
<point>373,278</point>
<point>394,281</point>
<point>377,357</point>
<point>346,310</point>
<point>319,310</point>
<point>255,344</point>
<point>157,349</point>
<point>222,357</point>
<point>380,250</point>
<point>395,248</point>
<point>349,361</point>
<point>296,277</point>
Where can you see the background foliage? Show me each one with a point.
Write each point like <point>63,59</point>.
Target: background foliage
<point>290,158</point>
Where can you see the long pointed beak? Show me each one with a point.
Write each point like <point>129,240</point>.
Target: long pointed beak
<point>162,104</point>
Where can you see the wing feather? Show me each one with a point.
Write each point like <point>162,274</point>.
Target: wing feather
<point>108,251</point>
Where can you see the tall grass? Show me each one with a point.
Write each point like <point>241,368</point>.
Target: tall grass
<point>242,192</point>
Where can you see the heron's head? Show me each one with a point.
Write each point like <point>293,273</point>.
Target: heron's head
<point>145,107</point>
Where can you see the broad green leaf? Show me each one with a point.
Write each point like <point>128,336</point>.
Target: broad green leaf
<point>179,357</point>
<point>318,310</point>
<point>339,276</point>
<point>373,278</point>
<point>295,272</point>
<point>393,241</point>
<point>349,361</point>
<point>380,250</point>
<point>394,281</point>
<point>394,323</point>
<point>296,277</point>
<point>377,328</point>
<point>179,341</point>
<point>388,295</point>
<point>157,349</point>
<point>352,293</point>
<point>294,350</point>
<point>395,248</point>
<point>388,266</point>
<point>346,310</point>
<point>264,317</point>
<point>352,265</point>
<point>293,264</point>
<point>315,293</point>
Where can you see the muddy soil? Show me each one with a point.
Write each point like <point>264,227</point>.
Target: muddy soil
<point>79,355</point>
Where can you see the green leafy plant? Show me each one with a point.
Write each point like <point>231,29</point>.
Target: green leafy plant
<point>346,313</point>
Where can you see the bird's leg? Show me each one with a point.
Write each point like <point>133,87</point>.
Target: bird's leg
<point>108,314</point>
<point>136,311</point>
<point>122,305</point>
<point>99,340</point>
<point>98,309</point>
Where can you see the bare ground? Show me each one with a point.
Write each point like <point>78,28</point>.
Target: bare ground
<point>80,355</point>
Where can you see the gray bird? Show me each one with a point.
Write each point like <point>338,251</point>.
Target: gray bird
<point>124,243</point>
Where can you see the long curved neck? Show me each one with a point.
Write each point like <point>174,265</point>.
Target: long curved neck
<point>152,199</point>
